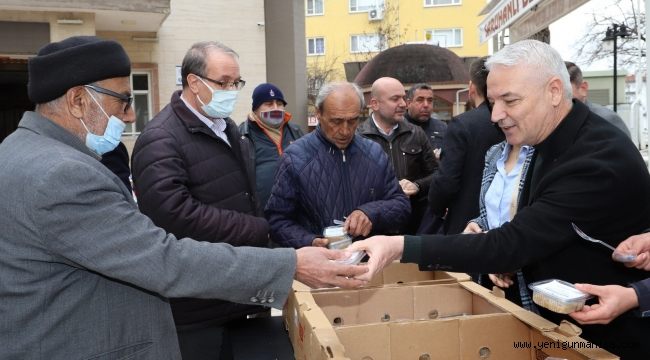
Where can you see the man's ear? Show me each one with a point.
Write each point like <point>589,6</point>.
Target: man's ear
<point>471,93</point>
<point>374,104</point>
<point>556,90</point>
<point>76,101</point>
<point>584,90</point>
<point>193,83</point>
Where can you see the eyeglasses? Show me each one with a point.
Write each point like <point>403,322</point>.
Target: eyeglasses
<point>127,99</point>
<point>236,85</point>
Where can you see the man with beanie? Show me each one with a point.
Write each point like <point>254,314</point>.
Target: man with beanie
<point>266,133</point>
<point>84,274</point>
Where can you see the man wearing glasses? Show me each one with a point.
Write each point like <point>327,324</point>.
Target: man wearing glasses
<point>190,179</point>
<point>117,160</point>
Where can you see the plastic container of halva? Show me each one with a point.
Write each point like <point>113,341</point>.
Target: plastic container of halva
<point>558,296</point>
<point>338,238</point>
<point>354,258</point>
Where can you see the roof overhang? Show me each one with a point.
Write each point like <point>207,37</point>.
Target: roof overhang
<point>110,15</point>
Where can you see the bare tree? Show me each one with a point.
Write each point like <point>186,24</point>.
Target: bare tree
<point>320,71</point>
<point>591,47</point>
<point>387,30</point>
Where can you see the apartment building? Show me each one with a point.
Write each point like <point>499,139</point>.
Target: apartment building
<point>352,31</point>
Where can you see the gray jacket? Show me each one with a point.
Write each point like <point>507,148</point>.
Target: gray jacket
<point>609,115</point>
<point>84,275</point>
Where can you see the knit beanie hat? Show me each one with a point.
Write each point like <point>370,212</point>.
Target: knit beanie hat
<point>77,60</point>
<point>266,92</point>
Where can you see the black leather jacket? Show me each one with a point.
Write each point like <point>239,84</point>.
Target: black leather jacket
<point>409,151</point>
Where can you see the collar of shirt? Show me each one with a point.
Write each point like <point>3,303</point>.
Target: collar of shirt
<point>218,125</point>
<point>525,149</point>
<point>503,193</point>
<point>372,116</point>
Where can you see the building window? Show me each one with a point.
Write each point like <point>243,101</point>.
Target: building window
<point>445,37</point>
<point>367,43</point>
<point>314,7</point>
<point>141,85</point>
<point>442,108</point>
<point>365,5</point>
<point>441,2</point>
<point>316,46</point>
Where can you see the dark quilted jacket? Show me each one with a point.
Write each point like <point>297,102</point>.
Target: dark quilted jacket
<point>317,183</point>
<point>192,184</point>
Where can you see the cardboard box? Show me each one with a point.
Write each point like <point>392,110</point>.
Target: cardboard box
<point>398,273</point>
<point>453,320</point>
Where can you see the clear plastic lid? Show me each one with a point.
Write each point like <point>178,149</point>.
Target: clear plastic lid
<point>353,259</point>
<point>340,244</point>
<point>334,231</point>
<point>558,296</point>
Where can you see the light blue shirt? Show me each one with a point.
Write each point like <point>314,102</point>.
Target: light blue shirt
<point>503,193</point>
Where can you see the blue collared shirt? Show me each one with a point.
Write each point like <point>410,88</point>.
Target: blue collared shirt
<point>503,193</point>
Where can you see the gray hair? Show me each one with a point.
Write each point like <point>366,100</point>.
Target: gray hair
<point>545,61</point>
<point>329,88</point>
<point>194,60</point>
<point>56,105</point>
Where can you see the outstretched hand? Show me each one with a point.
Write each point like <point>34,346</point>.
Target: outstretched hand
<point>382,250</point>
<point>613,300</point>
<point>315,268</point>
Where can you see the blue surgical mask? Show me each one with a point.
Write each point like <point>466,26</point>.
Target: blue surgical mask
<point>222,103</point>
<point>112,135</point>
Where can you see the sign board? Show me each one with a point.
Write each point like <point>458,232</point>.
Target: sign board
<point>312,121</point>
<point>545,14</point>
<point>504,14</point>
<point>179,77</point>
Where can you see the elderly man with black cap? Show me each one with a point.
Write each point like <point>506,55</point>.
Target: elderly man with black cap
<point>267,132</point>
<point>83,273</point>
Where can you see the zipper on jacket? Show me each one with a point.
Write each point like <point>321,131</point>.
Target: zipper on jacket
<point>346,185</point>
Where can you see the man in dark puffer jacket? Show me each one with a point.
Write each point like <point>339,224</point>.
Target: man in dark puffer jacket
<point>190,179</point>
<point>334,174</point>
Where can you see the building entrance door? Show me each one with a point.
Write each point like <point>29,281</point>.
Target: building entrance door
<point>13,94</point>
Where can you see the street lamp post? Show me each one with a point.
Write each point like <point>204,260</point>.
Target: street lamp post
<point>614,32</point>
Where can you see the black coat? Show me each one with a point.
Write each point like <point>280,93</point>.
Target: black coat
<point>118,162</point>
<point>411,155</point>
<point>263,157</point>
<point>589,174</point>
<point>192,184</point>
<point>456,185</point>
<point>434,128</point>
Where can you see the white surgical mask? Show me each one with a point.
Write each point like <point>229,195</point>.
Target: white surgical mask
<point>272,118</point>
<point>221,104</point>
